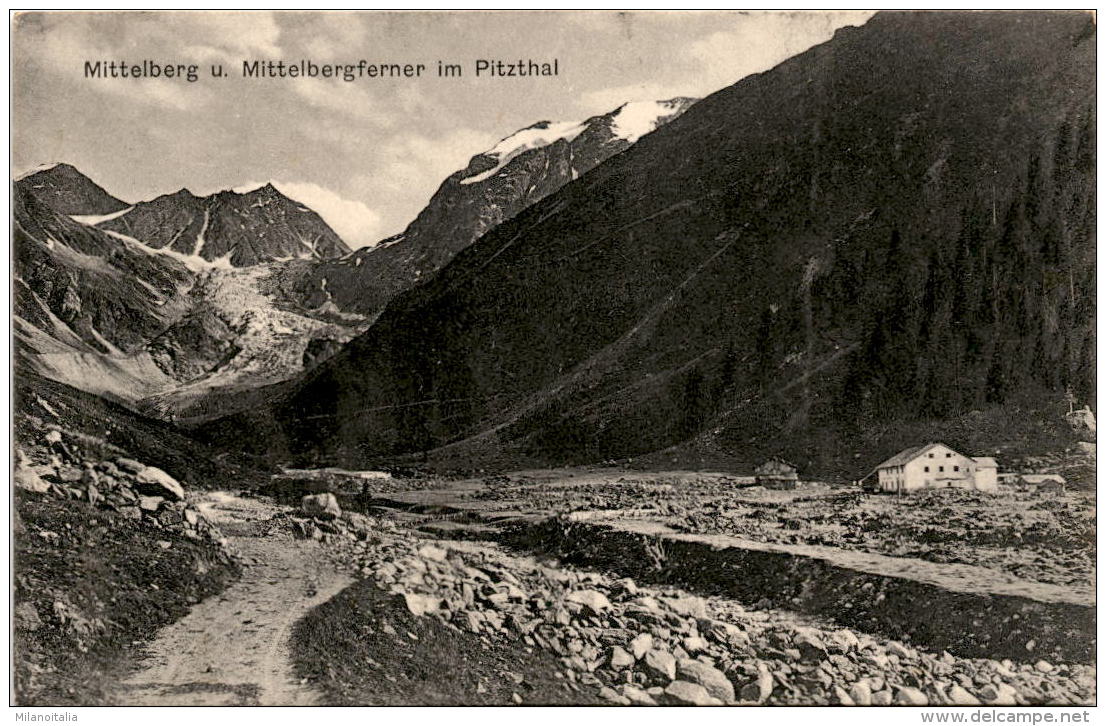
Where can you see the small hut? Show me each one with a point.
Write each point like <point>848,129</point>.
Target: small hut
<point>1042,483</point>
<point>775,473</point>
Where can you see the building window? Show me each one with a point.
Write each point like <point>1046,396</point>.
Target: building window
<point>956,468</point>
<point>940,468</point>
<point>948,456</point>
<point>927,469</point>
<point>931,456</point>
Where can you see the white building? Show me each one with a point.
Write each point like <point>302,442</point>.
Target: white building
<point>936,466</point>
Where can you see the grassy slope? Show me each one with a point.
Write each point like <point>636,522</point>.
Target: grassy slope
<point>358,650</point>
<point>99,586</point>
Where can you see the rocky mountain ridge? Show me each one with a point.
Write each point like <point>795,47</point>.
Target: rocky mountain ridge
<point>131,316</point>
<point>494,186</point>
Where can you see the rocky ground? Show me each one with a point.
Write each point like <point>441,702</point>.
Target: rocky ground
<point>112,553</point>
<point>1033,536</point>
<point>1037,536</point>
<point>62,468</point>
<point>106,551</point>
<point>640,645</point>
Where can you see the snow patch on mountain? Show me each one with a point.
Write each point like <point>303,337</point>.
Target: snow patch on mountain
<point>94,219</point>
<point>540,134</point>
<point>196,264</point>
<point>637,118</point>
<point>200,241</point>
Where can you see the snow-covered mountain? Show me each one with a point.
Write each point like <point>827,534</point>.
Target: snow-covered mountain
<point>497,184</point>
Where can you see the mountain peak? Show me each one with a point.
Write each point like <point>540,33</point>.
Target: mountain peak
<point>629,122</point>
<point>65,189</point>
<point>243,226</point>
<point>634,119</point>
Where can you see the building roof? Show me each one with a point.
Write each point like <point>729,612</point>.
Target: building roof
<point>907,455</point>
<point>986,461</point>
<point>776,464</point>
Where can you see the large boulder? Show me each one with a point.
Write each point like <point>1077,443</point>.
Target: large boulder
<point>760,689</point>
<point>708,677</point>
<point>154,482</point>
<point>683,693</point>
<point>1083,420</point>
<point>659,665</point>
<point>593,601</point>
<point>27,478</point>
<point>130,465</point>
<point>323,506</point>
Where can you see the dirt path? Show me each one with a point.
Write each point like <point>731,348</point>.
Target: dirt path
<point>233,649</point>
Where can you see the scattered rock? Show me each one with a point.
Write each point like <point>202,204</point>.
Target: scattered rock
<point>809,644</point>
<point>683,693</point>
<point>712,679</point>
<point>641,645</point>
<point>421,604</point>
<point>619,659</point>
<point>760,689</point>
<point>861,693</point>
<point>155,482</point>
<point>636,696</point>
<point>592,600</point>
<point>427,552</point>
<point>688,606</point>
<point>660,665</point>
<point>998,694</point>
<point>961,697</point>
<point>323,506</point>
<point>130,465</point>
<point>149,504</point>
<point>907,696</point>
<point>609,694</point>
<point>27,478</point>
<point>694,644</point>
<point>894,647</point>
<point>844,641</point>
<point>68,474</point>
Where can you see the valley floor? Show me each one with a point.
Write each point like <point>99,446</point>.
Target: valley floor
<point>464,593</point>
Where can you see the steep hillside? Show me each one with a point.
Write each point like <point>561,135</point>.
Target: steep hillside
<point>83,288</point>
<point>234,229</point>
<point>520,170</point>
<point>896,224</point>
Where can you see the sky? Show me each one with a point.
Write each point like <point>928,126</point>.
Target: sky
<point>368,154</point>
